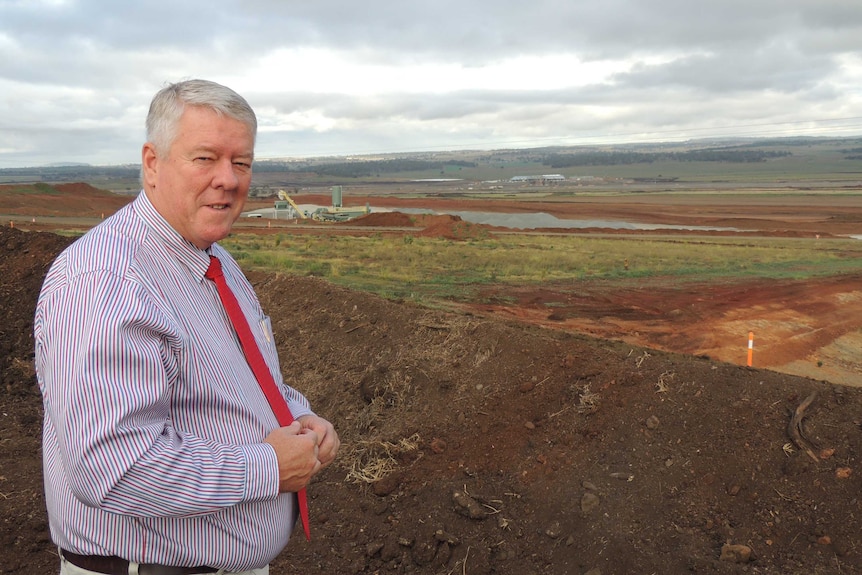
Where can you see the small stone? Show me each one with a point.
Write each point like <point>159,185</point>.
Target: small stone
<point>589,501</point>
<point>424,553</point>
<point>390,550</point>
<point>554,530</point>
<point>373,548</point>
<point>502,554</point>
<point>467,506</point>
<point>652,422</point>
<point>438,445</point>
<point>735,553</point>
<point>386,485</point>
<point>444,537</point>
<point>444,552</point>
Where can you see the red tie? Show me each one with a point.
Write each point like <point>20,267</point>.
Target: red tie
<point>258,366</point>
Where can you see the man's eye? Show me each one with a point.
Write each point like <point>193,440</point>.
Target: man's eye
<point>246,165</point>
<point>203,159</point>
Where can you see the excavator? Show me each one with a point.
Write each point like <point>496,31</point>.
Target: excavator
<point>282,195</point>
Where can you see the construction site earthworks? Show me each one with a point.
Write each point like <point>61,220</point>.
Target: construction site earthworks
<point>601,427</point>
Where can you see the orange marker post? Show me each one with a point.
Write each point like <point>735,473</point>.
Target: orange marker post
<point>750,347</point>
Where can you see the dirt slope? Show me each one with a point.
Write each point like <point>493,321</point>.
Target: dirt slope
<point>477,445</point>
<point>41,200</point>
<point>809,328</point>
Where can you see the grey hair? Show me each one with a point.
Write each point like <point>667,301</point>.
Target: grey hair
<point>168,105</point>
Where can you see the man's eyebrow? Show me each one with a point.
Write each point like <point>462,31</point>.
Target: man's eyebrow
<point>215,150</point>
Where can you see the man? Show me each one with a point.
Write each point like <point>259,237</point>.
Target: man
<point>161,452</point>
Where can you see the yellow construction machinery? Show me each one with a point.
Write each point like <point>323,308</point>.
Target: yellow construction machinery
<point>336,212</point>
<point>287,200</point>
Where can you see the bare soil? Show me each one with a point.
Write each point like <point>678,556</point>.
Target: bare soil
<point>615,435</point>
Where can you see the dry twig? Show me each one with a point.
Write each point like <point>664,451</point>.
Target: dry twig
<point>794,428</point>
<point>642,358</point>
<point>355,327</point>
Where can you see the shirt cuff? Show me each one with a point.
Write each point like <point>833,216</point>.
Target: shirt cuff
<point>262,480</point>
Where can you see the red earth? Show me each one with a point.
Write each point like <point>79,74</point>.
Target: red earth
<point>809,328</point>
<point>614,435</point>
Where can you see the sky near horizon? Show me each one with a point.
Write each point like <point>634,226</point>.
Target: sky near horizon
<point>337,77</point>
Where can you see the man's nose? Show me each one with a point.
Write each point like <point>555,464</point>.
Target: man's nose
<point>225,175</point>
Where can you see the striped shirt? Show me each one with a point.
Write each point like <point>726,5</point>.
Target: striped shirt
<point>154,421</point>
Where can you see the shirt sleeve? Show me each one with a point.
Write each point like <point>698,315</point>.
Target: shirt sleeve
<point>106,364</point>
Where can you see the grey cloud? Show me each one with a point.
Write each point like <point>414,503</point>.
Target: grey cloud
<point>75,77</point>
<point>731,71</point>
<point>471,31</point>
<point>483,31</point>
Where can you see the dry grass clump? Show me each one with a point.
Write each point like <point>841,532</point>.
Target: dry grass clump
<point>370,461</point>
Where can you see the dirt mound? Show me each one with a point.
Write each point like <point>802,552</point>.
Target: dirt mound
<point>430,226</point>
<point>72,200</point>
<point>481,446</point>
<point>385,219</point>
<point>452,228</point>
<point>24,260</point>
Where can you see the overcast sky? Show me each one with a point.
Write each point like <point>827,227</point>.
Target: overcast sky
<point>337,77</point>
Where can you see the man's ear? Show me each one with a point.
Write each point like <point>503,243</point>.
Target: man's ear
<point>149,165</point>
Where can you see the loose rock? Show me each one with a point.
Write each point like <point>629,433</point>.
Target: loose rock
<point>589,502</point>
<point>735,553</point>
<point>467,506</point>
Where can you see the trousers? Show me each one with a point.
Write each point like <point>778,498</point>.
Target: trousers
<point>67,568</point>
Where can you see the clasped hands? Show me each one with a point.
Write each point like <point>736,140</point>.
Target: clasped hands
<point>303,448</point>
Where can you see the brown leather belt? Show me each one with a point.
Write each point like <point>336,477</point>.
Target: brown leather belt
<point>120,566</point>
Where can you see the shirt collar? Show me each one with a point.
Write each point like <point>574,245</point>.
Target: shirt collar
<point>188,254</point>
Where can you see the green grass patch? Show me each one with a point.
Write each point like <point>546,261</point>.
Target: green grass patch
<point>430,269</point>
<point>30,189</point>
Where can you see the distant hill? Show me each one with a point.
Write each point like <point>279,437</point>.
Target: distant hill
<point>703,160</point>
<point>72,200</point>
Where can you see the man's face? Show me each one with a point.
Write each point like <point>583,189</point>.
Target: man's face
<point>200,185</point>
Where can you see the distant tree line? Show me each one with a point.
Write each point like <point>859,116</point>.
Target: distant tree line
<point>376,167</point>
<point>360,169</point>
<point>273,166</point>
<point>340,169</point>
<point>621,158</point>
<point>853,154</point>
